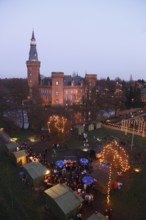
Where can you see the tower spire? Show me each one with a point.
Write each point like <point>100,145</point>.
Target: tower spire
<point>33,56</point>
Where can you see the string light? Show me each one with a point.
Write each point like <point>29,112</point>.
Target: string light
<point>114,155</point>
<point>58,122</point>
<point>109,186</point>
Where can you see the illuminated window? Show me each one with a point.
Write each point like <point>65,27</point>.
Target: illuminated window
<point>57,83</point>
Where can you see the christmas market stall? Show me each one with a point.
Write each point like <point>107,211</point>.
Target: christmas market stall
<point>79,129</point>
<point>97,216</point>
<point>62,201</point>
<point>11,147</point>
<point>91,127</point>
<point>35,173</point>
<point>20,157</point>
<point>98,125</point>
<point>70,160</point>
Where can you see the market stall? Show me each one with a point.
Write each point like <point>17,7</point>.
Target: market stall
<point>36,173</point>
<point>62,201</point>
<point>79,129</point>
<point>91,127</point>
<point>11,147</point>
<point>97,216</point>
<point>20,157</point>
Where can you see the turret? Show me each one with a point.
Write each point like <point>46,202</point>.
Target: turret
<point>33,67</point>
<point>33,55</point>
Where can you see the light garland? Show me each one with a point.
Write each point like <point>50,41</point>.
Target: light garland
<point>109,185</point>
<point>118,160</point>
<point>58,122</point>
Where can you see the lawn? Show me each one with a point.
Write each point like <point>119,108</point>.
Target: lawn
<point>129,203</point>
<point>18,201</point>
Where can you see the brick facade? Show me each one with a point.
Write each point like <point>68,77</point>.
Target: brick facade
<point>59,89</point>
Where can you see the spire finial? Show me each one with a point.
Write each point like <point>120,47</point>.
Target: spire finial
<point>33,37</point>
<point>33,51</point>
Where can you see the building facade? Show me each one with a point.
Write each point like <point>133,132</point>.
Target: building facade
<point>58,89</point>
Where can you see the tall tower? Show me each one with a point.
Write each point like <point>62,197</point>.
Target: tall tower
<point>57,88</point>
<point>33,67</point>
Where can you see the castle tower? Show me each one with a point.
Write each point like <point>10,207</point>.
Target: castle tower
<point>57,88</point>
<point>91,79</point>
<point>33,67</point>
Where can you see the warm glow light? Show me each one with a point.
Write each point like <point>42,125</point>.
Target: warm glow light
<point>85,149</point>
<point>1,129</point>
<point>47,172</point>
<point>98,155</point>
<point>114,155</point>
<point>32,139</point>
<point>14,139</point>
<point>59,123</point>
<point>137,170</point>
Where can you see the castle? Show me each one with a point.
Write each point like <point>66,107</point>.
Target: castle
<point>58,89</point>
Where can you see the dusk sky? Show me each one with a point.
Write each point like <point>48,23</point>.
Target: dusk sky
<point>103,37</point>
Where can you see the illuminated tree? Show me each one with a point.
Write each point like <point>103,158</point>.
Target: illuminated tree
<point>115,156</point>
<point>57,125</point>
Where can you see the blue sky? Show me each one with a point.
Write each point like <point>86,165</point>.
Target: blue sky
<point>106,37</point>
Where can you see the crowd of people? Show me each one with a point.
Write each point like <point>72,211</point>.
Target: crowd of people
<point>71,174</point>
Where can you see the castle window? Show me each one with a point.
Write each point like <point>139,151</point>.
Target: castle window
<point>57,93</point>
<point>57,83</point>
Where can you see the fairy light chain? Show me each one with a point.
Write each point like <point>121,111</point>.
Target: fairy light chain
<point>59,123</point>
<point>114,155</point>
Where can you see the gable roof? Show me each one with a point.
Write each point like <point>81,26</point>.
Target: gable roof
<point>20,153</point>
<point>97,216</point>
<point>64,197</point>
<point>68,79</point>
<point>35,169</point>
<point>12,145</point>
